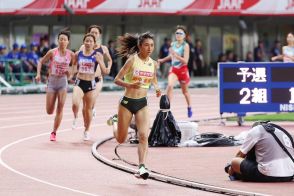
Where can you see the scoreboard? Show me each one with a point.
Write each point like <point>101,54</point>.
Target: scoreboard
<point>256,87</point>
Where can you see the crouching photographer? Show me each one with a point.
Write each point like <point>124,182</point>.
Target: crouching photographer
<point>265,156</point>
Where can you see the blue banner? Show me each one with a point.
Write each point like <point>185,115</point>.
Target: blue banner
<point>256,87</point>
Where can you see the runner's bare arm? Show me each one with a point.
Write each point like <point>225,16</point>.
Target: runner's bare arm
<point>100,60</point>
<point>74,65</point>
<point>43,60</point>
<point>165,59</point>
<point>108,57</point>
<point>155,82</point>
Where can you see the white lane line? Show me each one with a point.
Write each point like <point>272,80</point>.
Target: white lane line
<point>29,110</point>
<point>33,116</point>
<point>34,178</point>
<point>32,123</point>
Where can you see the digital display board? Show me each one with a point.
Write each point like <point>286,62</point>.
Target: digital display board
<point>256,87</point>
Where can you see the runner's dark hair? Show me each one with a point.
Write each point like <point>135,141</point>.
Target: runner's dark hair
<point>129,43</point>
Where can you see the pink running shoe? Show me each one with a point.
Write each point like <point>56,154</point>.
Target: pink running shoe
<point>53,136</point>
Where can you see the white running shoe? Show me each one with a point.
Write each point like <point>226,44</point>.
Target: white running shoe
<point>86,136</point>
<point>94,112</point>
<point>142,173</point>
<point>112,119</point>
<point>74,124</point>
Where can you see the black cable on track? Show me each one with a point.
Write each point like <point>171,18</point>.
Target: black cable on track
<point>165,178</point>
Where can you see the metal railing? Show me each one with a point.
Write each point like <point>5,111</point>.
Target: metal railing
<point>14,73</point>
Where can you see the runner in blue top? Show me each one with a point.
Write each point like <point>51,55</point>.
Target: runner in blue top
<point>97,32</point>
<point>85,84</point>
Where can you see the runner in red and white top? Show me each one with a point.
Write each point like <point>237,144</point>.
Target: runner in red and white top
<point>179,55</point>
<point>60,58</point>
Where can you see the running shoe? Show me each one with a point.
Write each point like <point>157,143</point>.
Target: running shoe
<point>86,135</point>
<point>53,136</point>
<point>74,124</point>
<point>190,113</point>
<point>112,119</point>
<point>142,173</point>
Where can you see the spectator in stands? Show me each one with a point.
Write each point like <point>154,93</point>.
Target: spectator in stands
<point>199,59</point>
<point>262,159</point>
<point>230,56</point>
<point>276,50</point>
<point>23,56</point>
<point>53,45</point>
<point>221,58</point>
<point>164,51</point>
<point>15,66</point>
<point>3,51</point>
<point>33,56</point>
<point>44,46</point>
<point>259,52</point>
<point>43,49</point>
<point>191,61</point>
<point>13,54</point>
<point>249,57</point>
<point>3,58</point>
<point>113,54</point>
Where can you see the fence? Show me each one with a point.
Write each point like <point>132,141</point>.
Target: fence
<point>13,73</point>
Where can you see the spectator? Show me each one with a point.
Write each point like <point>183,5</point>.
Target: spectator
<point>249,57</point>
<point>33,56</point>
<point>14,53</point>
<point>199,59</point>
<point>191,61</point>
<point>259,52</point>
<point>23,56</point>
<point>53,45</point>
<point>43,49</point>
<point>230,56</point>
<point>44,46</point>
<point>164,52</point>
<point>2,51</point>
<point>112,52</point>
<point>221,59</point>
<point>15,66</point>
<point>276,50</point>
<point>3,58</point>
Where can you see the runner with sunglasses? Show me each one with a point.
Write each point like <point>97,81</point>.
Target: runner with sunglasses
<point>179,55</point>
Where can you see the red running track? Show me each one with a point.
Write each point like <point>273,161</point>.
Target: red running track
<point>32,165</point>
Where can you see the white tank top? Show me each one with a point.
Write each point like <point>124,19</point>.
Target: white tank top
<point>288,51</point>
<point>59,65</point>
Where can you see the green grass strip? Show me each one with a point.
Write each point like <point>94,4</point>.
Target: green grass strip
<point>271,117</point>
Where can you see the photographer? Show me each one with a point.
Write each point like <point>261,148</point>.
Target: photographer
<point>261,158</point>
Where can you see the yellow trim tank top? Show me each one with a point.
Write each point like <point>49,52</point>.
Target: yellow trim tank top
<point>141,71</point>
